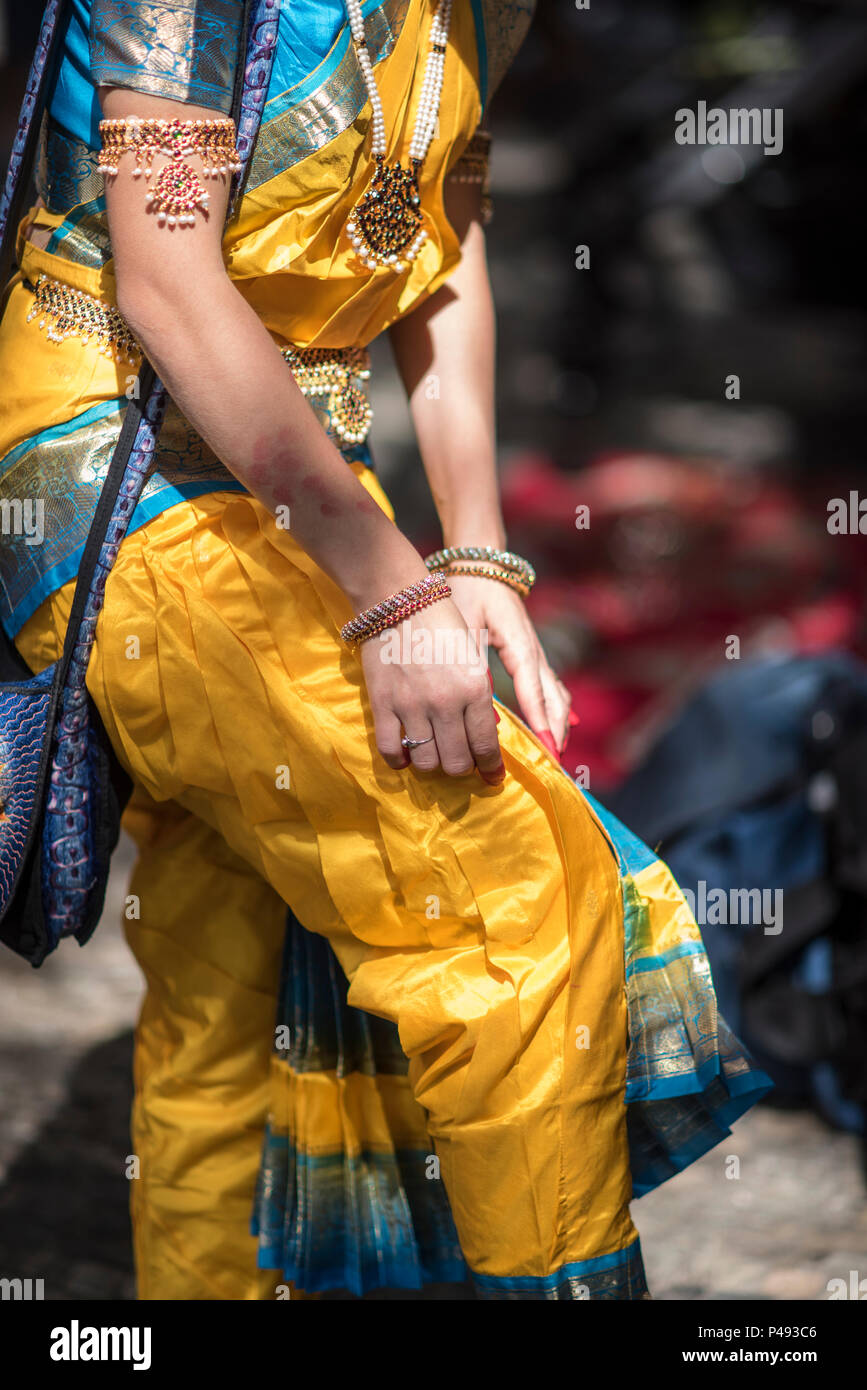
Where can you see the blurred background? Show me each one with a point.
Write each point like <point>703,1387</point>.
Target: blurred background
<point>680,402</point>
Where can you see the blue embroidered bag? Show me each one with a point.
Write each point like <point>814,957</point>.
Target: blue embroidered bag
<point>62,789</point>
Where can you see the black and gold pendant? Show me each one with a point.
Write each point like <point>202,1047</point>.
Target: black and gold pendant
<point>386,225</point>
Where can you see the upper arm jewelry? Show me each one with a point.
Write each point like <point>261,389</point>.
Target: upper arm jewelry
<point>474,167</point>
<point>178,191</point>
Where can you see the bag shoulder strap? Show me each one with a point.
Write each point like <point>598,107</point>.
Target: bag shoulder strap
<point>142,404</point>
<point>15,188</point>
<point>23,156</point>
<point>17,184</point>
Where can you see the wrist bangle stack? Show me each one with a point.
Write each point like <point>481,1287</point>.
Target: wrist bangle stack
<point>514,581</point>
<point>394,609</point>
<point>504,559</point>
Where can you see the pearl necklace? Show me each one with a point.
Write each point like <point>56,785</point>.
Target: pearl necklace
<point>385,227</point>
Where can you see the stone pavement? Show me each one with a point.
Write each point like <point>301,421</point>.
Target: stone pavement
<point>794,1218</point>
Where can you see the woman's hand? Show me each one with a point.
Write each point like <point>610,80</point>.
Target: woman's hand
<point>426,679</point>
<point>448,343</point>
<point>491,607</point>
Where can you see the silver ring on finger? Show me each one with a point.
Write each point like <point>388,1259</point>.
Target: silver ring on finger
<point>409,743</point>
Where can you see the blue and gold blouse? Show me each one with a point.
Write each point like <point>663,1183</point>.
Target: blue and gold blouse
<point>285,247</point>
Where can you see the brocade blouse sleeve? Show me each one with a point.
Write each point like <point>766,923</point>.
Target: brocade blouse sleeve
<point>473,166</point>
<point>186,50</point>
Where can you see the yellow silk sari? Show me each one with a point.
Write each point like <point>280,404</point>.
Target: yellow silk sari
<point>530,1035</point>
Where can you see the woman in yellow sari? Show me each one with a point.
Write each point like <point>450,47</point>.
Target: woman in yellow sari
<point>489,1021</point>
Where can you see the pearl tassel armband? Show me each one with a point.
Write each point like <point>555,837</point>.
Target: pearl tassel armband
<point>178,191</point>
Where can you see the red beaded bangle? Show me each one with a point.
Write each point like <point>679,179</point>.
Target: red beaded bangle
<point>394,609</point>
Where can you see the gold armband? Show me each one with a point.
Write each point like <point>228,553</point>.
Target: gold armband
<point>473,167</point>
<point>178,190</point>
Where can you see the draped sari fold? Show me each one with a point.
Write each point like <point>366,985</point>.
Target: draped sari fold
<point>356,1201</point>
<point>475,1091</point>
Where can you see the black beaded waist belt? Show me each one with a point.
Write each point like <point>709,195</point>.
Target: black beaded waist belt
<point>331,375</point>
<point>50,483</point>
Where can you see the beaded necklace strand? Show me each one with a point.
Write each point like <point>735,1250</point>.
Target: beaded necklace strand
<point>386,225</point>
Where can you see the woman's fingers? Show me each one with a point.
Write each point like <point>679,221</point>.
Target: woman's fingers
<point>427,756</point>
<point>459,734</point>
<point>463,741</point>
<point>455,757</point>
<point>444,706</point>
<point>529,692</point>
<point>480,722</point>
<point>449,708</point>
<point>543,699</point>
<point>388,736</point>
<point>556,704</point>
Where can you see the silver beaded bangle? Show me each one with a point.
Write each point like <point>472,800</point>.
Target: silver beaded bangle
<point>507,558</point>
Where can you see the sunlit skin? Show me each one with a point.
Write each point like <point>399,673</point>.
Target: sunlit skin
<point>450,339</point>
<point>226,374</point>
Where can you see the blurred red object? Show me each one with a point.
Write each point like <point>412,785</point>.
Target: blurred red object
<point>653,570</point>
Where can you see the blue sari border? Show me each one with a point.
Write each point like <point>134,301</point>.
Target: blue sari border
<point>360,1222</point>
<point>618,1275</point>
<point>147,510</point>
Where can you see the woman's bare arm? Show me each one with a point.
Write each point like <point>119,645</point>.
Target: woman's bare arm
<point>227,376</point>
<point>445,352</point>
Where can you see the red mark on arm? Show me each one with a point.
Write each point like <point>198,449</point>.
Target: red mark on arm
<point>366,504</point>
<point>328,506</point>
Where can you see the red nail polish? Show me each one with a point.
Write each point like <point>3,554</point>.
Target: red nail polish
<point>491,679</point>
<point>493,779</point>
<point>547,738</point>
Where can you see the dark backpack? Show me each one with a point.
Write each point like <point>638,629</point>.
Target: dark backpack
<point>761,784</point>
